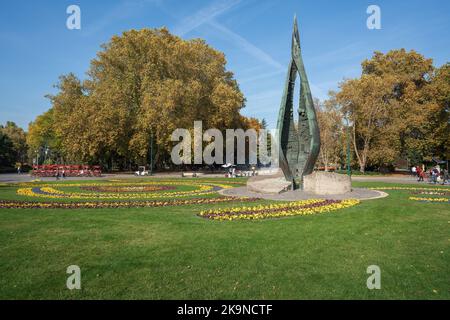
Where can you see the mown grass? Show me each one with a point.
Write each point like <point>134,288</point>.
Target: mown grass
<point>170,253</point>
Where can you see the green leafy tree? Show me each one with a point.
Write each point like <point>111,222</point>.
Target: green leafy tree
<point>41,135</point>
<point>6,151</point>
<point>18,138</point>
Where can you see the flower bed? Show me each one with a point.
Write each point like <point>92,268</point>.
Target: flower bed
<point>117,183</point>
<point>433,193</point>
<point>118,204</point>
<point>54,193</point>
<point>442,191</point>
<point>305,207</point>
<point>117,191</point>
<point>442,200</point>
<point>410,188</point>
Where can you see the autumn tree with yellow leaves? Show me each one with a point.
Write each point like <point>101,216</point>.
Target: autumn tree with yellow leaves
<point>143,84</point>
<point>332,133</point>
<point>399,107</point>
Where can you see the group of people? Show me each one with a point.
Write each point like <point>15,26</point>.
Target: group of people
<point>435,174</point>
<point>60,174</point>
<point>233,173</point>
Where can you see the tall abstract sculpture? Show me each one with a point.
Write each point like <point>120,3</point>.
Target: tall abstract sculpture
<point>299,143</point>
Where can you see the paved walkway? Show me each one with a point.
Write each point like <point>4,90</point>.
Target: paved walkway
<point>389,178</point>
<point>392,179</point>
<point>14,177</point>
<point>357,193</point>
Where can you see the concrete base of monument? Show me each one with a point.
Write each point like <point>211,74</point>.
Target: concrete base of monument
<point>273,183</point>
<point>325,183</point>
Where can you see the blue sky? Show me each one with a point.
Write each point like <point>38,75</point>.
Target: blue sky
<point>255,35</point>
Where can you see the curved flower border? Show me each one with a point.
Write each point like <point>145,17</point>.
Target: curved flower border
<point>119,204</point>
<point>130,188</point>
<point>49,191</point>
<point>411,188</point>
<point>128,183</point>
<point>442,191</point>
<point>305,207</point>
<point>435,193</point>
<point>442,200</point>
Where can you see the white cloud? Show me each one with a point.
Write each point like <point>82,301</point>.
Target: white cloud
<point>203,16</point>
<point>247,46</point>
<point>261,76</point>
<point>207,16</point>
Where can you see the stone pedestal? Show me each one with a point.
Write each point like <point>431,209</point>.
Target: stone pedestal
<point>323,183</point>
<point>272,183</point>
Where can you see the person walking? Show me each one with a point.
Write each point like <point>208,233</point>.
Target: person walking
<point>442,177</point>
<point>434,175</point>
<point>445,177</point>
<point>420,174</point>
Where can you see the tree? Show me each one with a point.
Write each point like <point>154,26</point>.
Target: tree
<point>41,134</point>
<point>438,93</point>
<point>330,122</point>
<point>17,136</point>
<point>363,102</point>
<point>71,120</point>
<point>394,109</point>
<point>413,109</point>
<point>143,83</point>
<point>6,151</point>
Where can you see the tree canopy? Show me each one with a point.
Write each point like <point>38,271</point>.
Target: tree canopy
<point>13,144</point>
<point>399,107</point>
<point>146,83</point>
<point>142,84</point>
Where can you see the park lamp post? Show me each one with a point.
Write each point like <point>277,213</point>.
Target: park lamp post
<point>347,118</point>
<point>151,152</point>
<point>46,149</point>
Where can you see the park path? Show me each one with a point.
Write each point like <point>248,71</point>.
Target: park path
<point>388,178</point>
<point>14,177</point>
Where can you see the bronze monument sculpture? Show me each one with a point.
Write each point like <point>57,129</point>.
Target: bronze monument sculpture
<point>299,143</point>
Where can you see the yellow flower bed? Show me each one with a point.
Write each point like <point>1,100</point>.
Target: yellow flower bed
<point>409,188</point>
<point>13,204</point>
<point>51,191</point>
<point>124,183</point>
<point>305,207</point>
<point>430,199</point>
<point>424,190</point>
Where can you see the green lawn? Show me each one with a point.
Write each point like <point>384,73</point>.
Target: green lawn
<point>170,253</point>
